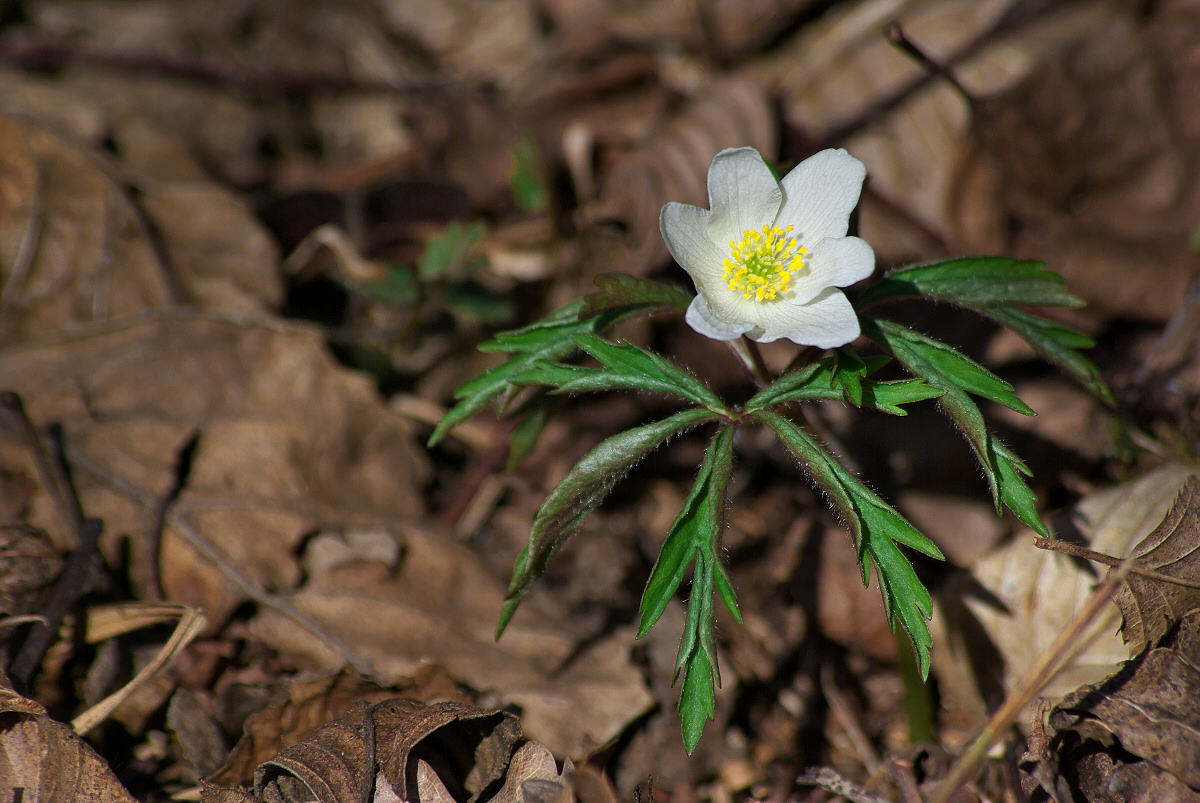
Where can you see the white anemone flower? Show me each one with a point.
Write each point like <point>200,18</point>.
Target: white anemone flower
<point>769,256</point>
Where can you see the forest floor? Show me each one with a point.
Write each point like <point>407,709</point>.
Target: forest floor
<point>249,250</point>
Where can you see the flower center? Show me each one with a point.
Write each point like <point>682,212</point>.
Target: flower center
<point>761,265</point>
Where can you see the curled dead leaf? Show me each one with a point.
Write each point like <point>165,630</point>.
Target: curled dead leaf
<point>1148,709</point>
<point>44,761</point>
<point>1152,606</point>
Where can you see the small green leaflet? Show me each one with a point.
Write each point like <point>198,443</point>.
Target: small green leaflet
<point>976,282</point>
<point>957,376</point>
<point>626,367</point>
<point>843,378</point>
<point>528,186</point>
<point>621,289</point>
<point>580,492</point>
<point>446,256</point>
<point>547,339</point>
<point>697,527</point>
<point>1057,344</point>
<point>876,526</point>
<point>695,534</point>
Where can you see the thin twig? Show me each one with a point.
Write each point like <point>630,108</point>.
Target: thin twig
<point>1109,560</point>
<point>841,712</point>
<point>51,467</point>
<point>1038,675</point>
<point>895,34</point>
<point>208,551</point>
<point>67,591</point>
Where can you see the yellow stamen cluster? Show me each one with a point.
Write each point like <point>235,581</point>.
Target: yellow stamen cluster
<point>760,266</point>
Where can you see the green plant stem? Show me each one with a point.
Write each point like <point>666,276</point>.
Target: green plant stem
<point>746,350</point>
<point>918,707</point>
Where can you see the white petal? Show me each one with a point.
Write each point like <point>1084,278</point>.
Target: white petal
<point>820,195</point>
<point>833,262</point>
<point>828,321</point>
<point>742,194</point>
<point>703,321</point>
<point>685,231</point>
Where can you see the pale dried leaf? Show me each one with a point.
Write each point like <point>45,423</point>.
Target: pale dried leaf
<point>1021,598</point>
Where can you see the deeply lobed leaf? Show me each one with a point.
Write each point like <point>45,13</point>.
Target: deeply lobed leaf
<point>622,290</point>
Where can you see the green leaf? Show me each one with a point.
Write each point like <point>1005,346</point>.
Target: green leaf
<point>697,527</point>
<point>547,339</point>
<point>489,307</point>
<point>976,282</point>
<point>725,589</point>
<point>1057,344</point>
<point>838,377</point>
<point>626,367</point>
<point>956,376</point>
<point>528,187</point>
<point>888,396</point>
<point>876,527</point>
<point>580,492</point>
<point>524,437</point>
<point>621,289</point>
<point>843,378</point>
<point>697,657</point>
<point>446,255</point>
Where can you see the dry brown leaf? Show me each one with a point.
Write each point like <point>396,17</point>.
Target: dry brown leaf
<point>44,761</point>
<point>989,629</point>
<point>1150,606</point>
<point>76,249</point>
<point>440,604</point>
<point>673,166</point>
<point>471,745</point>
<point>1053,174</point>
<point>1148,709</point>
<point>73,248</point>
<point>842,68</point>
<point>288,440</point>
<point>28,563</point>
